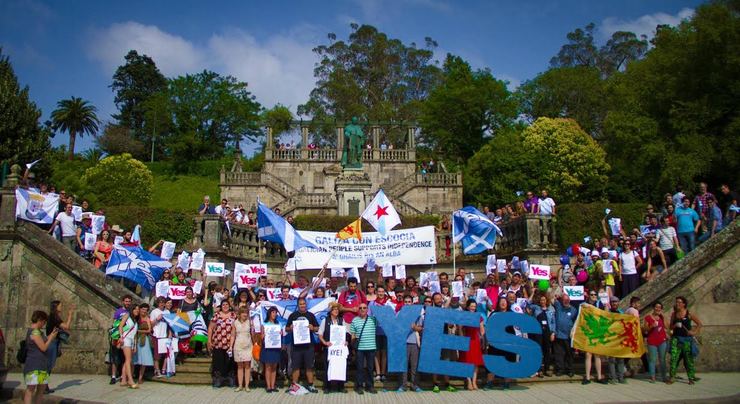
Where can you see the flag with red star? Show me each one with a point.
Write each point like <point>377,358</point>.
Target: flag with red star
<point>352,230</point>
<point>381,214</point>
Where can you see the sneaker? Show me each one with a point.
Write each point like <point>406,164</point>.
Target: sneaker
<point>451,389</point>
<point>382,378</point>
<point>585,381</point>
<point>377,378</point>
<point>622,381</point>
<point>435,389</point>
<point>418,389</point>
<point>602,381</point>
<point>112,380</point>
<point>401,390</point>
<point>311,388</point>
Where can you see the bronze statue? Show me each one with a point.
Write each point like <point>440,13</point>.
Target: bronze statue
<point>354,141</point>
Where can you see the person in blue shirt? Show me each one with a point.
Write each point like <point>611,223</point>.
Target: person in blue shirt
<point>688,222</point>
<point>714,219</point>
<point>565,317</point>
<point>545,315</point>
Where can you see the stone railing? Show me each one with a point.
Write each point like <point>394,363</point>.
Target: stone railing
<point>439,179</point>
<point>282,187</point>
<point>238,241</point>
<point>306,200</point>
<point>334,155</point>
<point>240,177</point>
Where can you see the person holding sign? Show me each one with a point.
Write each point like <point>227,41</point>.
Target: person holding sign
<point>332,332</point>
<point>242,336</point>
<point>301,324</point>
<point>270,354</point>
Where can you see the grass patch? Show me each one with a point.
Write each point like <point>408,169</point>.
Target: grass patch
<point>183,192</point>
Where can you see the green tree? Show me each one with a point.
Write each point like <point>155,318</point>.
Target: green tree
<point>119,180</point>
<point>278,118</point>
<point>370,76</point>
<point>134,82</point>
<point>465,109</point>
<point>76,116</point>
<point>22,138</point>
<point>117,139</point>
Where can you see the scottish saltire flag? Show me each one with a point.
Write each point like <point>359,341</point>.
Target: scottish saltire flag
<point>381,214</point>
<point>177,324</point>
<point>136,264</point>
<point>271,227</point>
<point>476,231</point>
<point>136,234</point>
<point>319,307</point>
<point>34,207</point>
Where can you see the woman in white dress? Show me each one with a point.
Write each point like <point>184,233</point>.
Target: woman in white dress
<point>243,335</point>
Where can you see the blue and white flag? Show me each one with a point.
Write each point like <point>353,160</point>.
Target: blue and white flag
<point>271,227</point>
<point>319,307</point>
<point>381,214</point>
<point>136,264</point>
<point>476,231</point>
<point>35,207</point>
<point>177,324</point>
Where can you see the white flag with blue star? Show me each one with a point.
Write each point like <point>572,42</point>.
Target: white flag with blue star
<point>476,231</point>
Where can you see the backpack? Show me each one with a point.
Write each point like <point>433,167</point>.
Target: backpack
<point>22,352</point>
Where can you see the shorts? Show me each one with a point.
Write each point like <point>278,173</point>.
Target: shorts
<point>128,342</point>
<point>303,357</point>
<point>381,341</point>
<point>36,377</point>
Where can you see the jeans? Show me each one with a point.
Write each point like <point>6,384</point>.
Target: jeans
<point>364,361</point>
<point>51,355</point>
<point>70,242</point>
<point>412,359</point>
<point>616,368</point>
<point>687,241</point>
<point>657,354</point>
<point>563,355</point>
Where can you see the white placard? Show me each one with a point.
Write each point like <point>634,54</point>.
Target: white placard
<point>174,347</point>
<point>97,223</point>
<point>521,302</point>
<point>183,261</point>
<point>301,333</point>
<point>337,272</point>
<point>272,336</point>
<point>387,270</point>
<point>354,273</point>
<point>290,265</point>
<point>469,278</point>
<point>457,289</point>
<point>259,269</point>
<point>90,240</point>
<point>524,265</point>
<point>197,287</point>
<point>337,334</point>
<point>501,266</point>
<point>400,271</point>
<point>273,294</point>
<point>176,292</point>
<point>215,269</point>
<point>118,240</point>
<point>574,292</point>
<point>491,264</point>
<point>162,288</point>
<point>615,225</point>
<point>537,271</point>
<point>434,287</point>
<point>370,266</point>
<point>77,213</point>
<point>423,279</point>
<point>607,267</point>
<point>481,296</point>
<point>247,280</point>
<point>168,250</point>
<point>198,259</point>
<point>162,345</point>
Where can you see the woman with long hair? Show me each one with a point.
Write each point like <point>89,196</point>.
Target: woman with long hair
<point>144,356</point>
<point>682,343</point>
<point>127,329</point>
<point>242,335</point>
<point>35,368</point>
<point>657,341</point>
<point>56,322</point>
<point>220,343</point>
<point>103,248</point>
<point>656,261</point>
<point>334,318</point>
<point>270,357</point>
<point>370,292</point>
<point>473,355</point>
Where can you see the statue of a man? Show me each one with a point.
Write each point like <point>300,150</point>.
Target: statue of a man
<point>354,141</point>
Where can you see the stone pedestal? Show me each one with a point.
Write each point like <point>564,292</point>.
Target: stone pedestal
<point>353,190</point>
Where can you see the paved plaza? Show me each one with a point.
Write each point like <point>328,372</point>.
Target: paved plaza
<point>713,387</point>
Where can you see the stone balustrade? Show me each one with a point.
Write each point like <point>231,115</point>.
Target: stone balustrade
<point>439,179</point>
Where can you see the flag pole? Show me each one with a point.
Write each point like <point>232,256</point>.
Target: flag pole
<point>454,248</point>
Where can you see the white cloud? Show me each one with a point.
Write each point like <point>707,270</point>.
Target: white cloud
<point>644,25</point>
<point>278,69</point>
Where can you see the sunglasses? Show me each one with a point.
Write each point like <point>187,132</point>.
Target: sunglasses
<point>363,308</point>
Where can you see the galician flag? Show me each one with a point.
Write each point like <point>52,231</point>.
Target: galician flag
<point>604,333</point>
<point>352,230</point>
<point>271,227</point>
<point>381,214</point>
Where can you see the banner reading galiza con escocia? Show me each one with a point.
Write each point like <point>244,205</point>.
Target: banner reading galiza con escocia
<point>398,247</point>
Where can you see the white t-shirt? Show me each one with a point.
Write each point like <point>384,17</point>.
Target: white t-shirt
<point>665,237</point>
<point>547,206</point>
<point>628,263</point>
<point>67,223</point>
<point>160,328</point>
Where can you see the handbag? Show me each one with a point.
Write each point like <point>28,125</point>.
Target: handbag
<point>256,351</point>
<point>356,341</point>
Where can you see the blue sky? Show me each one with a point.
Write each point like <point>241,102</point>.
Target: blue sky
<point>71,48</point>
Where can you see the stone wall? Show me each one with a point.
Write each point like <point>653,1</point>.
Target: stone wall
<point>709,278</point>
<point>34,270</point>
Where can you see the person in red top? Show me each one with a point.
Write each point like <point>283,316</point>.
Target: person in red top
<point>657,341</point>
<point>127,242</point>
<point>473,355</point>
<point>350,300</point>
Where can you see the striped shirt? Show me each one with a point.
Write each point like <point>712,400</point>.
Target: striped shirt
<point>367,339</point>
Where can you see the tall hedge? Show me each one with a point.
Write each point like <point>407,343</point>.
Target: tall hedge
<point>577,220</point>
<point>156,223</point>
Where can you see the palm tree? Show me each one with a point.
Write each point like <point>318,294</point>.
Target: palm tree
<point>75,116</point>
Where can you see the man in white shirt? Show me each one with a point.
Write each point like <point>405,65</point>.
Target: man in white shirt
<point>547,204</point>
<point>66,221</point>
<point>159,331</point>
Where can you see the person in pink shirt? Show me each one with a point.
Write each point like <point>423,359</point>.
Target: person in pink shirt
<point>350,300</point>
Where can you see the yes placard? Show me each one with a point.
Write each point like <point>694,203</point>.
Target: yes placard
<point>217,269</point>
<point>537,271</point>
<point>574,292</point>
<point>176,292</point>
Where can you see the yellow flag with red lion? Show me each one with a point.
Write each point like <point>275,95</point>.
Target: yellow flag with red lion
<point>352,230</point>
<point>605,333</point>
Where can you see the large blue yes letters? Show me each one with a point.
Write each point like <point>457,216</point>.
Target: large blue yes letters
<point>530,353</point>
<point>397,328</point>
<point>434,340</point>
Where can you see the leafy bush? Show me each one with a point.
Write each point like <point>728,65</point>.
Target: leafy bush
<point>156,224</point>
<point>577,220</point>
<point>335,223</point>
<point>120,180</point>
